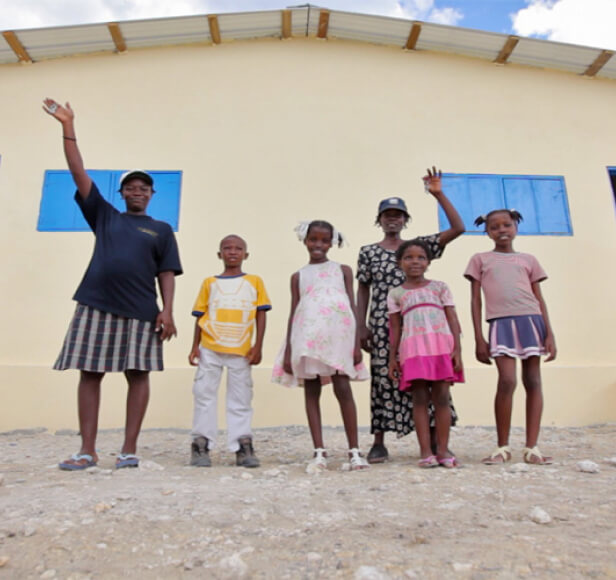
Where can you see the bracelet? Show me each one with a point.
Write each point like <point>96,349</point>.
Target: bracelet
<point>69,138</point>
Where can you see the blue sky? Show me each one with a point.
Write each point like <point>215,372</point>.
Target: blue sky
<point>586,22</point>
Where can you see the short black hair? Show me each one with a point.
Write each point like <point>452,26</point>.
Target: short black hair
<point>414,242</point>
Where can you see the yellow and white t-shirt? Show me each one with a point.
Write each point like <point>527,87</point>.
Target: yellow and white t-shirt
<point>227,307</point>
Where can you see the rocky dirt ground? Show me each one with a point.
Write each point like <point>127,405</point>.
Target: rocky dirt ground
<point>168,520</point>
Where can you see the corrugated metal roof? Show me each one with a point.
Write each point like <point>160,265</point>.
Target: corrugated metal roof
<point>165,31</point>
<point>365,28</point>
<point>45,43</point>
<point>249,25</point>
<point>556,55</point>
<point>475,43</point>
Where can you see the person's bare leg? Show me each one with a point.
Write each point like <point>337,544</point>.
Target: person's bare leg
<point>531,378</point>
<point>136,405</point>
<point>442,417</point>
<point>88,404</point>
<point>421,399</point>
<point>312,397</point>
<point>348,410</point>
<point>503,402</point>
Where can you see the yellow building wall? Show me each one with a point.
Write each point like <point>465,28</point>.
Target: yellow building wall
<point>271,132</point>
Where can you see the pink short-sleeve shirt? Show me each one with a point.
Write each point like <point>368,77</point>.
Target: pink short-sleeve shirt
<point>506,280</point>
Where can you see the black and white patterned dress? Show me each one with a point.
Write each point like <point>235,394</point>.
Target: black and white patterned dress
<point>391,409</point>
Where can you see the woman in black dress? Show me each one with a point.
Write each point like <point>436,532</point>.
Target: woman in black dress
<point>377,273</point>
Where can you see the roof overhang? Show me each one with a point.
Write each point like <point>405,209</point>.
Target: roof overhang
<point>304,21</point>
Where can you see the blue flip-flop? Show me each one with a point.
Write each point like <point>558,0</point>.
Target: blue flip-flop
<point>75,462</point>
<point>127,460</point>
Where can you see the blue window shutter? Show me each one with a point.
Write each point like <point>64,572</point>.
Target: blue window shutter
<point>472,196</point>
<point>58,211</point>
<point>520,195</point>
<point>456,188</point>
<point>552,206</point>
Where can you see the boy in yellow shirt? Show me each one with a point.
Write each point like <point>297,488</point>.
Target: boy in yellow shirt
<point>228,308</point>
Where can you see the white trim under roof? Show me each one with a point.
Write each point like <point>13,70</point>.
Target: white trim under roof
<point>38,44</point>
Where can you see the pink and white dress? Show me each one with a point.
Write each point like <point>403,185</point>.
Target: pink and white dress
<point>426,342</point>
<point>322,331</point>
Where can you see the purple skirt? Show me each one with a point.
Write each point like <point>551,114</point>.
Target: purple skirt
<point>517,336</point>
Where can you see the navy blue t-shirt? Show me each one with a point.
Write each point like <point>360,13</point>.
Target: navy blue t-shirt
<point>129,252</point>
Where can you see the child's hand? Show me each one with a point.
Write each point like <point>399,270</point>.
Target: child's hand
<point>365,336</point>
<point>254,356</point>
<point>433,181</point>
<point>165,326</point>
<point>357,357</point>
<point>193,357</point>
<point>550,347</point>
<point>482,352</point>
<point>57,111</point>
<point>394,370</point>
<point>286,365</point>
<point>456,359</point>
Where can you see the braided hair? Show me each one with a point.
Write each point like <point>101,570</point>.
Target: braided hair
<point>514,214</point>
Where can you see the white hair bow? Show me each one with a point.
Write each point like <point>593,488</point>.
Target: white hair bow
<point>301,229</point>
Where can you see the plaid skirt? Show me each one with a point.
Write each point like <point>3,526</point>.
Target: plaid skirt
<point>517,336</point>
<point>102,342</point>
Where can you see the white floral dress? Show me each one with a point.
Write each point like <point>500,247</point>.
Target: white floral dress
<point>322,331</point>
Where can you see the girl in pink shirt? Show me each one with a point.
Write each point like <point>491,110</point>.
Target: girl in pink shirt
<point>519,328</point>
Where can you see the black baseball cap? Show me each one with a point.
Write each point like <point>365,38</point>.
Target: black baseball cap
<point>393,203</point>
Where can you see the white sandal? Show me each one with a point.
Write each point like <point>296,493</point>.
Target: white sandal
<point>499,456</point>
<point>319,461</point>
<point>357,461</point>
<point>533,456</point>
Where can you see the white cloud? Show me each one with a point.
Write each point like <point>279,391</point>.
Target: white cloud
<point>449,16</point>
<point>586,22</point>
<point>16,14</point>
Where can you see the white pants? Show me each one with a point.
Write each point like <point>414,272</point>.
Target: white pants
<point>205,396</point>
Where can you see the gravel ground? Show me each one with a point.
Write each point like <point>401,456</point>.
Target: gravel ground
<point>166,519</point>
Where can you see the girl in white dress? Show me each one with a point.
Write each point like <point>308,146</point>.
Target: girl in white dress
<point>322,343</point>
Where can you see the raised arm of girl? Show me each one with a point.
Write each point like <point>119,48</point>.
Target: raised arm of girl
<point>482,349</point>
<point>66,116</point>
<point>456,228</point>
<point>550,341</point>
<point>294,301</point>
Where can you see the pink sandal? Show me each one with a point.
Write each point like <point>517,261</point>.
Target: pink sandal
<point>448,462</point>
<point>428,462</point>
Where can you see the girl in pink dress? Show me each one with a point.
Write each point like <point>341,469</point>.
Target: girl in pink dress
<point>425,355</point>
<point>322,343</point>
